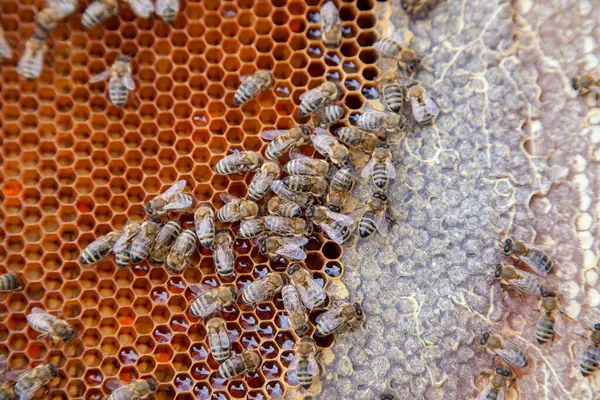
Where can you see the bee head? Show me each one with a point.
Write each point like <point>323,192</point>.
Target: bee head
<point>382,146</point>
<point>484,338</point>
<point>333,208</point>
<point>124,59</point>
<point>262,246</point>
<point>503,372</point>
<point>310,211</point>
<point>293,268</point>
<point>53,370</point>
<point>39,36</point>
<point>575,83</point>
<point>498,271</point>
<point>68,336</point>
<point>358,309</point>
<point>548,294</point>
<point>414,64</point>
<point>404,5</point>
<point>380,196</point>
<point>149,209</point>
<point>508,244</point>
<point>234,293</point>
<point>597,327</point>
<point>301,330</point>
<point>152,385</point>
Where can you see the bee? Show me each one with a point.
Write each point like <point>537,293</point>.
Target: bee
<point>142,8</point>
<point>424,109</point>
<point>550,321</point>
<point>334,320</point>
<point>99,249</point>
<point>393,47</point>
<point>585,84</point>
<point>263,288</point>
<point>325,218</point>
<point>519,280</point>
<point>32,60</point>
<point>288,226</point>
<point>296,310</point>
<point>121,249</point>
<point>57,10</point>
<point>313,295</point>
<point>238,162</point>
<point>328,115</point>
<point>99,10</point>
<point>380,170</point>
<point>283,208</point>
<point>120,80</point>
<point>261,182</point>
<point>167,10</point>
<point>392,93</point>
<point>303,200</point>
<point>220,346</point>
<point>7,383</point>
<point>5,51</point>
<point>49,325</point>
<point>381,123</point>
<point>239,364</point>
<point>183,248</point>
<point>318,97</point>
<point>30,381</point>
<point>414,7</point>
<point>251,86</point>
<point>304,367</point>
<point>210,299</point>
<point>173,199</point>
<point>332,32</point>
<point>11,283</point>
<point>282,141</point>
<point>535,259</point>
<point>315,185</point>
<point>223,253</point>
<point>508,351</point>
<point>374,216</point>
<point>143,242</point>
<point>286,247</point>
<point>590,359</point>
<point>327,145</point>
<point>340,184</point>
<point>167,235</point>
<point>251,228</point>
<point>365,141</point>
<point>304,165</point>
<point>204,220</point>
<point>497,385</point>
<point>236,209</point>
<point>139,389</point>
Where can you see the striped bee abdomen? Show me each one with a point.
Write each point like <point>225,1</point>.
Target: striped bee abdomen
<point>545,329</point>
<point>366,225</point>
<point>117,92</point>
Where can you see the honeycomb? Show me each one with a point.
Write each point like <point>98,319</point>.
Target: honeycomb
<point>74,167</point>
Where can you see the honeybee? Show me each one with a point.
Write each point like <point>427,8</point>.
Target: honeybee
<point>261,182</point>
<point>413,7</point>
<point>340,317</point>
<point>144,241</point>
<point>550,321</point>
<point>5,51</point>
<point>508,351</point>
<point>173,199</point>
<point>251,228</point>
<point>263,288</point>
<point>98,11</point>
<point>392,93</point>
<point>519,280</point>
<point>7,383</point>
<point>393,47</point>
<point>590,359</point>
<point>313,295</point>
<point>424,109</point>
<point>288,226</point>
<point>120,80</point>
<point>238,162</point>
<point>293,305</point>
<point>183,248</point>
<point>31,62</point>
<point>497,385</point>
<point>382,123</point>
<point>342,180</point>
<point>380,170</point>
<point>325,218</point>
<point>140,389</point>
<point>304,165</point>
<point>286,247</point>
<point>141,8</point>
<point>365,141</point>
<point>239,364</point>
<point>49,325</point>
<point>236,209</point>
<point>30,381</point>
<point>210,300</point>
<point>374,216</point>
<point>251,86</point>
<point>11,283</point>
<point>301,199</point>
<point>328,115</point>
<point>304,367</point>
<point>57,10</point>
<point>535,259</point>
<point>332,32</point>
<point>283,140</point>
<point>283,208</point>
<point>318,97</point>
<point>327,145</point>
<point>220,346</point>
<point>204,220</point>
<point>585,84</point>
<point>223,253</point>
<point>167,235</point>
<point>99,249</point>
<point>121,249</point>
<point>315,185</point>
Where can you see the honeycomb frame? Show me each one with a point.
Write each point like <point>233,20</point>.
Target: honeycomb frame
<point>74,167</point>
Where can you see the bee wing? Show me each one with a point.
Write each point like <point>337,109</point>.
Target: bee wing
<point>262,181</point>
<point>44,321</point>
<point>335,316</point>
<point>64,8</point>
<point>142,8</point>
<point>30,391</point>
<point>177,187</point>
<point>183,203</point>
<point>398,37</point>
<point>292,371</point>
<point>296,241</point>
<point>223,337</point>
<point>417,109</point>
<point>200,289</point>
<point>128,82</point>
<point>484,393</point>
<point>333,234</point>
<point>524,284</point>
<point>311,292</point>
<point>511,353</point>
<point>5,50</point>
<point>126,391</point>
<point>382,223</point>
<point>163,6</point>
<point>272,133</point>
<point>225,254</point>
<point>430,105</point>
<point>313,366</point>
<point>203,227</point>
<point>114,384</point>
<point>313,95</point>
<point>100,77</point>
<point>559,325</point>
<point>228,198</point>
<point>368,169</point>
<point>390,169</point>
<point>291,251</point>
<point>342,219</point>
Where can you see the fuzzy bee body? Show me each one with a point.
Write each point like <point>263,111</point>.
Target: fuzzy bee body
<point>239,364</point>
<point>252,86</point>
<point>329,115</point>
<point>120,80</point>
<point>330,17</point>
<point>318,97</point>
<point>209,299</point>
<point>550,322</point>
<point>251,228</point>
<point>261,182</point>
<point>306,166</point>
<point>140,389</point>
<point>292,303</point>
<point>301,199</point>
<point>164,240</point>
<point>241,161</point>
<point>334,320</point>
<point>56,329</point>
<point>263,288</point>
<point>236,209</point>
<point>182,249</point>
<point>365,141</point>
<point>304,367</point>
<point>29,382</point>
<point>535,259</point>
<point>144,241</point>
<point>167,10</point>
<point>204,221</point>
<point>287,226</point>
<point>315,185</point>
<point>99,10</point>
<point>223,254</point>
<point>99,249</point>
<point>31,62</point>
<point>57,10</point>
<point>393,97</point>
<point>11,283</point>
<point>123,258</point>
<point>496,387</point>
<point>5,50</point>
<point>284,208</point>
<point>218,339</point>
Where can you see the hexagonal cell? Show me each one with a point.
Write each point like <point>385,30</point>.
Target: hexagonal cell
<point>109,366</point>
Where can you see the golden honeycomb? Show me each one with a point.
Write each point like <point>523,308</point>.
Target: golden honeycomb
<point>74,167</point>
